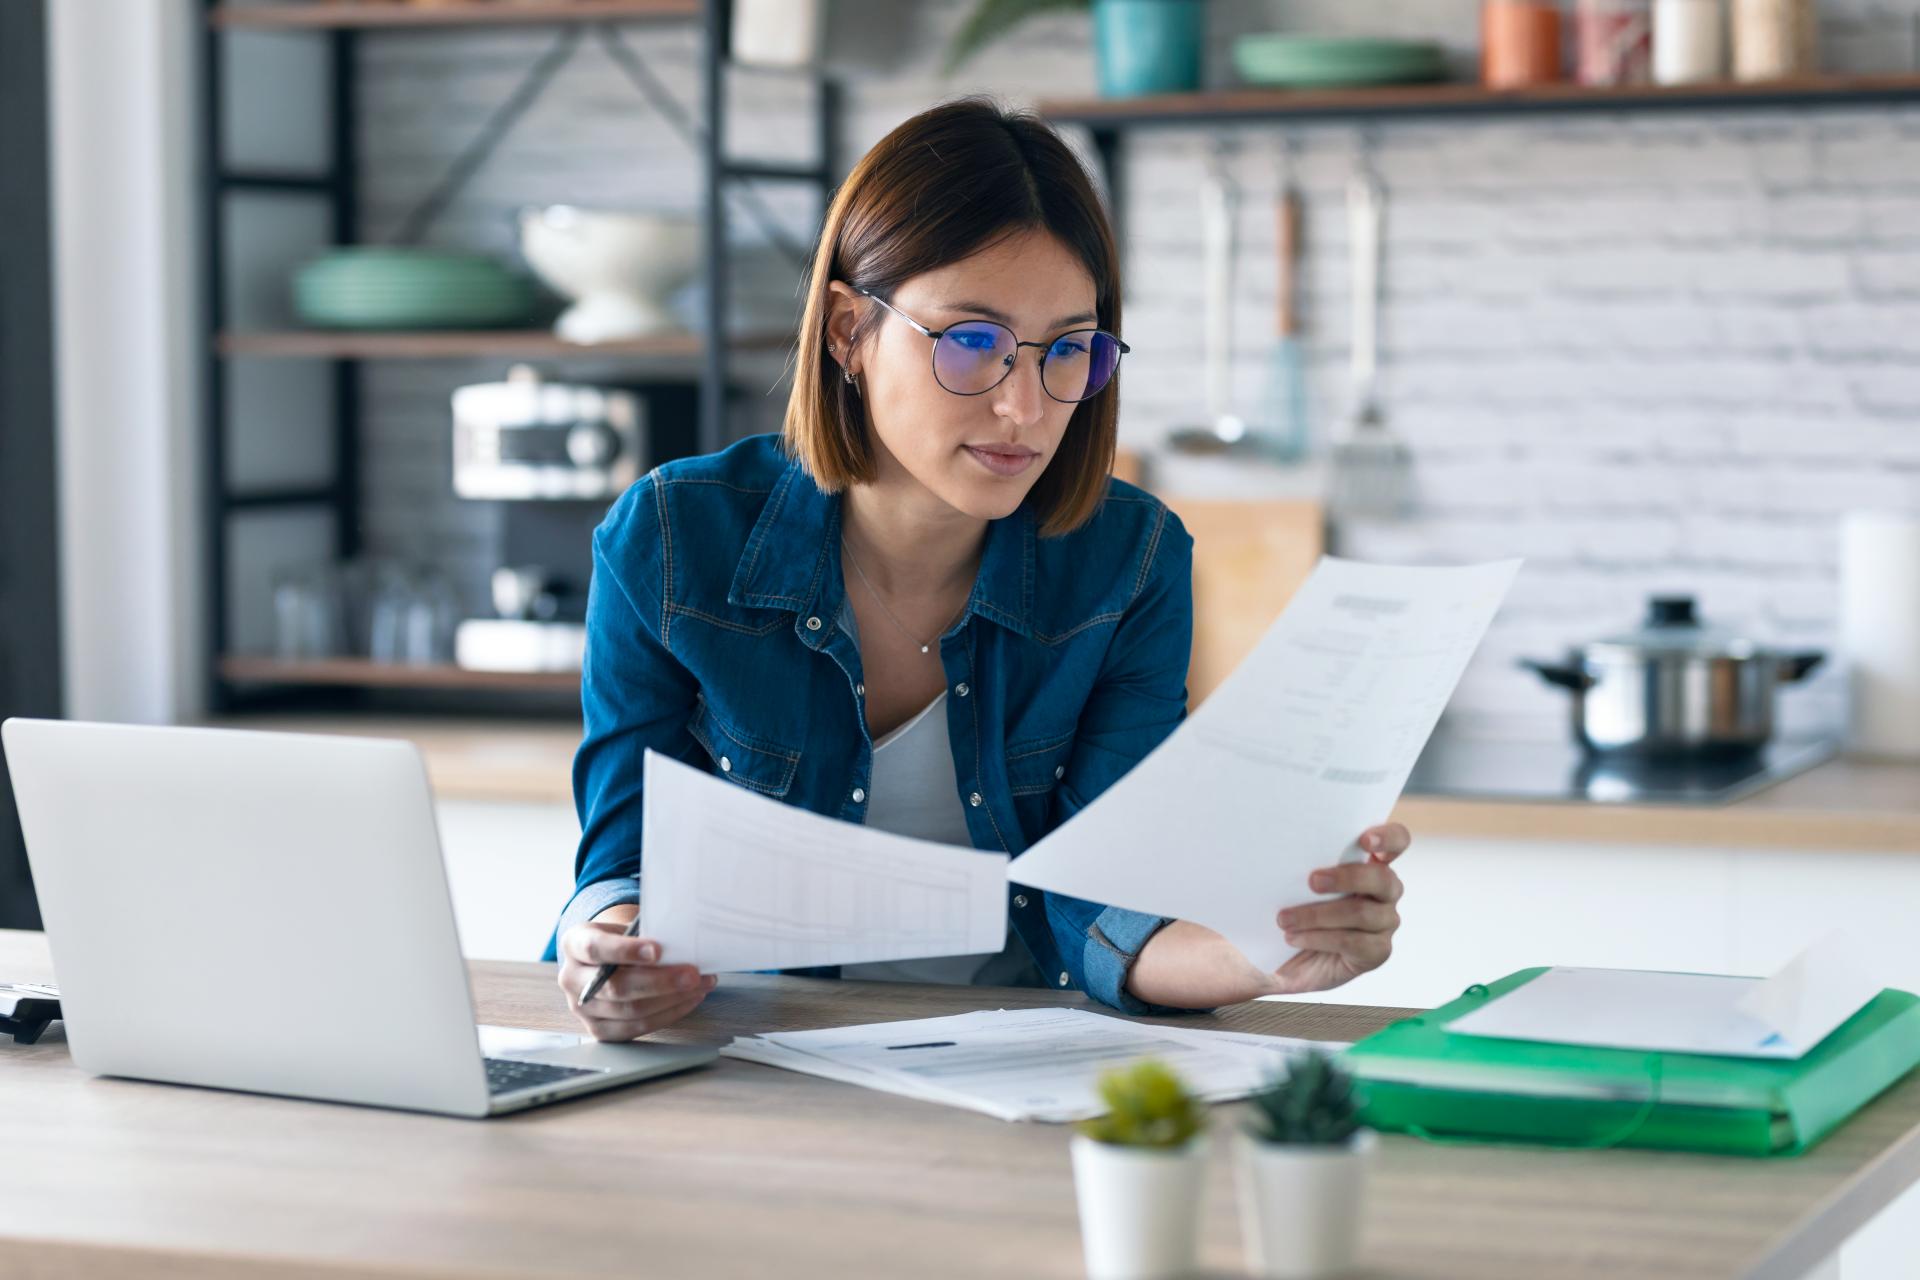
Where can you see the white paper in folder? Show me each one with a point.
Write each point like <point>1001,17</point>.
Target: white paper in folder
<point>1302,748</point>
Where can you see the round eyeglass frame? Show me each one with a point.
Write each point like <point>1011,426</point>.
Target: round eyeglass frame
<point>1045,349</point>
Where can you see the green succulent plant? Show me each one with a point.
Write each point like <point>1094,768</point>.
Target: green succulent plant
<point>1314,1104</point>
<point>1147,1106</point>
<point>993,19</point>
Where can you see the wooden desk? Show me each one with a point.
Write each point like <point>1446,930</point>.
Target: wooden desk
<point>743,1170</point>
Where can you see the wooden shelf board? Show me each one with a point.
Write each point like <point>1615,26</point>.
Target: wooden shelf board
<point>372,13</point>
<point>366,674</point>
<point>455,343</point>
<point>1470,99</point>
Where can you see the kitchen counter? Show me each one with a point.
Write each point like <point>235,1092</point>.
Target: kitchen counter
<point>1842,805</point>
<point>519,761</point>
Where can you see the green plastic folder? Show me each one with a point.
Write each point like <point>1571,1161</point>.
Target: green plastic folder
<point>1421,1078</point>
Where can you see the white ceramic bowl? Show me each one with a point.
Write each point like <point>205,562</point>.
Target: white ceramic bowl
<point>619,268</point>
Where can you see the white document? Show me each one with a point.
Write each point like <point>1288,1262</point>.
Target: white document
<point>737,881</point>
<point>1779,1017</point>
<point>1022,1064</point>
<point>1307,744</point>
<point>1808,998</point>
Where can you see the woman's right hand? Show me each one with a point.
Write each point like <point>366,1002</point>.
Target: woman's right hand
<point>642,995</point>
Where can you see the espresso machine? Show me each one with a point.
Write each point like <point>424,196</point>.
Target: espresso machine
<point>555,455</point>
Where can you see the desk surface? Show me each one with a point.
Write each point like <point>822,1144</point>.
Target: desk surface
<point>744,1170</point>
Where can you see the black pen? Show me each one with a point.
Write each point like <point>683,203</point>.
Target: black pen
<point>606,970</point>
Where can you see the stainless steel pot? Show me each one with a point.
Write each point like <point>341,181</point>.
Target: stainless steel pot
<point>1674,687</point>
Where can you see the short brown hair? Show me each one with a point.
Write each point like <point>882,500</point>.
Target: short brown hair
<point>946,184</point>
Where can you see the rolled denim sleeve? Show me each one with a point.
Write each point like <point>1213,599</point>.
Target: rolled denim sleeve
<point>589,900</point>
<point>1138,700</point>
<point>634,696</point>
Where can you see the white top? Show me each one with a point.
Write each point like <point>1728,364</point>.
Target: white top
<point>914,792</point>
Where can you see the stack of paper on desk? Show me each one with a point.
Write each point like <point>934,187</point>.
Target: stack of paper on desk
<point>1021,1064</point>
<point>1302,748</point>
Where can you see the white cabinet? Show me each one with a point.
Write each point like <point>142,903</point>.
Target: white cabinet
<point>511,869</point>
<point>1479,909</point>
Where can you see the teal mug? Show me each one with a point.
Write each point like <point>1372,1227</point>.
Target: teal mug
<point>1148,46</point>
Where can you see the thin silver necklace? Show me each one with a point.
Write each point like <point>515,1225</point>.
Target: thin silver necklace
<point>925,646</point>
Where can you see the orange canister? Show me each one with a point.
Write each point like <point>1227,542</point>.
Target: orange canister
<point>1519,43</point>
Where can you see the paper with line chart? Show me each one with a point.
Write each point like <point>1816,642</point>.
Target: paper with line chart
<point>1303,747</point>
<point>736,881</point>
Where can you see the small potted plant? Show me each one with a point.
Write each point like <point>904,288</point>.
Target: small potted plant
<point>1303,1172</point>
<point>1137,1172</point>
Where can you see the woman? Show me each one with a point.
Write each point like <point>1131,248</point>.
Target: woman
<point>925,605</point>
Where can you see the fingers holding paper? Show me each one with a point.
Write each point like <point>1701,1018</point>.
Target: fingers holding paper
<point>1385,842</point>
<point>1341,938</point>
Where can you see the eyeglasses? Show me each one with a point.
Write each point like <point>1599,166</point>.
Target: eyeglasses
<point>974,357</point>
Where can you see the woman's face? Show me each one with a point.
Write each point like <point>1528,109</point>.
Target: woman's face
<point>978,454</point>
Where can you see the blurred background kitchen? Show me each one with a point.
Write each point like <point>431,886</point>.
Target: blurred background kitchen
<point>332,327</point>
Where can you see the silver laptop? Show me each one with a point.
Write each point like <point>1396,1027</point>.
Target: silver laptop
<point>269,912</point>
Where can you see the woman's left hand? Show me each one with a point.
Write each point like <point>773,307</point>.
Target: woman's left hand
<point>1344,937</point>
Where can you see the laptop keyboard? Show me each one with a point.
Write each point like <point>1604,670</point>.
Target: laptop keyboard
<point>504,1075</point>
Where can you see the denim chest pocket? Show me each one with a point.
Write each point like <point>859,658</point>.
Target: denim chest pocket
<point>755,763</point>
<point>1035,767</point>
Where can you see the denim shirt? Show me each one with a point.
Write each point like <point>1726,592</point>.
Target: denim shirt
<point>711,638</point>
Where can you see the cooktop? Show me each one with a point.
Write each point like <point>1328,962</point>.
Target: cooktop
<point>1512,769</point>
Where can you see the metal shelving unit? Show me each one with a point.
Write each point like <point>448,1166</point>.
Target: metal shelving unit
<point>238,678</point>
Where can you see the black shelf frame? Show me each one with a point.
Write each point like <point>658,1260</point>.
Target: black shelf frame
<point>338,186</point>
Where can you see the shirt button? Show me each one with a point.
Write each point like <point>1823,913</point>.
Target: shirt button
<point>860,690</point>
<point>974,799</point>
<point>726,765</point>
<point>859,796</point>
<point>961,688</point>
<point>1059,771</point>
<point>813,624</point>
<point>1063,979</point>
<point>1019,899</point>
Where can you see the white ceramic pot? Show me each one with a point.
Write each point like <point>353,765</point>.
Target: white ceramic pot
<point>777,33</point>
<point>1301,1206</point>
<point>620,269</point>
<point>1139,1208</point>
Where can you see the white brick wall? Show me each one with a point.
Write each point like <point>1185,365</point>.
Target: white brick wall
<point>1647,352</point>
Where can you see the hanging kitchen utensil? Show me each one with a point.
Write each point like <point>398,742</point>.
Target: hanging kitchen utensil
<point>1282,429</point>
<point>1371,466</point>
<point>1219,205</point>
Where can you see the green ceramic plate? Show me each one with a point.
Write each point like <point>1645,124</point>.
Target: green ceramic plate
<point>1304,62</point>
<point>381,288</point>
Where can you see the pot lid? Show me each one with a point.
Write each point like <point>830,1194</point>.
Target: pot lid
<point>1673,627</point>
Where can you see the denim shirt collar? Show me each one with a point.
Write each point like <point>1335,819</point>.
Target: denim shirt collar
<point>791,560</point>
